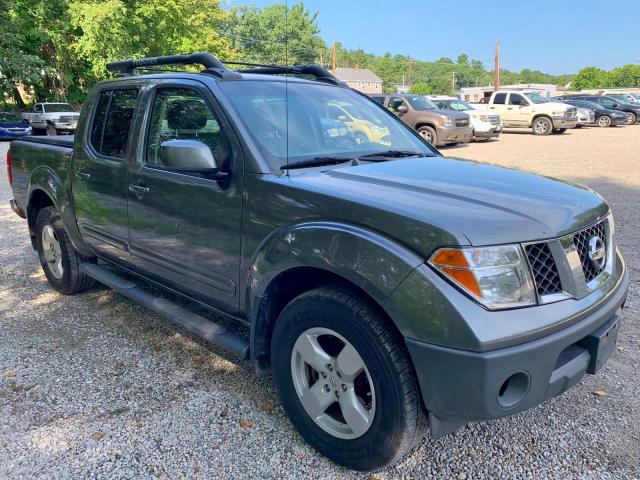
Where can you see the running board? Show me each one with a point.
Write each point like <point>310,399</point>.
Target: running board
<point>200,326</point>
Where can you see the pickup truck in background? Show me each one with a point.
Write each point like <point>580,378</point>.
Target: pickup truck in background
<point>529,109</point>
<point>52,118</point>
<point>384,286</point>
<point>485,125</point>
<point>436,126</point>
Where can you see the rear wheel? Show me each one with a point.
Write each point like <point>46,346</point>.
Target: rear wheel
<point>429,134</point>
<point>345,379</point>
<point>604,121</point>
<point>51,130</point>
<point>58,257</point>
<point>542,126</point>
<point>631,118</point>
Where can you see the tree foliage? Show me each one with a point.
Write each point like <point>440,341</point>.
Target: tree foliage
<point>594,77</point>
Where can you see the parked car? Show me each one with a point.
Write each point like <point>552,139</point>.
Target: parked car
<point>632,111</point>
<point>12,126</point>
<point>52,118</point>
<point>484,125</point>
<point>623,97</point>
<point>586,116</point>
<point>529,109</point>
<point>381,284</point>
<point>363,129</point>
<point>436,126</point>
<point>604,117</point>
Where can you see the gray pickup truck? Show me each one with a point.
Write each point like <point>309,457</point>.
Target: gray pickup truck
<point>385,287</point>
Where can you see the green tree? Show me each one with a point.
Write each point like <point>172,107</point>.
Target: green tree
<point>591,77</point>
<point>421,88</point>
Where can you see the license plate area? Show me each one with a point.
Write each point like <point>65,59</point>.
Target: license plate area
<point>601,344</point>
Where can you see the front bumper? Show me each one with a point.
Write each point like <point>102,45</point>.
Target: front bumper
<point>490,131</point>
<point>454,135</point>
<point>66,126</point>
<point>564,122</point>
<point>459,386</point>
<point>617,121</point>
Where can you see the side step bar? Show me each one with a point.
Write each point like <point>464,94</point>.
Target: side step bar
<point>210,331</point>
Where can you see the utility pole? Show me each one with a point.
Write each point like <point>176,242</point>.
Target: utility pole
<point>496,69</point>
<point>409,68</point>
<point>453,83</point>
<point>333,57</point>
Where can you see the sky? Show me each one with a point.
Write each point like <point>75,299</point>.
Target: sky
<point>559,36</point>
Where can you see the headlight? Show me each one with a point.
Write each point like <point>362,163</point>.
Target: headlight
<point>497,277</point>
<point>448,122</point>
<point>484,118</point>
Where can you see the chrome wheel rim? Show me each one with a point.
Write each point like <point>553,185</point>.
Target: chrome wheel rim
<point>604,121</point>
<point>426,134</point>
<point>540,126</point>
<point>52,251</point>
<point>333,383</point>
<point>630,119</point>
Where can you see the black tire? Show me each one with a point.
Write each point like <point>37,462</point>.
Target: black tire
<point>429,134</point>
<point>560,130</point>
<point>72,280</point>
<point>51,130</point>
<point>542,126</point>
<point>398,423</point>
<point>631,118</point>
<point>604,121</point>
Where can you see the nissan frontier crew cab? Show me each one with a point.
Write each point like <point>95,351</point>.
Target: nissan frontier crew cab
<point>529,109</point>
<point>385,287</point>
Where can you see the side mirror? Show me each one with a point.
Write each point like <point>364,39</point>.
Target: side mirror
<point>188,156</point>
<point>615,105</point>
<point>402,109</point>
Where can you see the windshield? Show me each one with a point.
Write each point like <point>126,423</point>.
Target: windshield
<point>456,105</point>
<point>594,105</point>
<point>9,118</point>
<point>536,97</point>
<point>58,107</point>
<point>421,103</point>
<point>295,121</point>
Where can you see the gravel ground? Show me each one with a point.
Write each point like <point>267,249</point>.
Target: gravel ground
<point>96,386</point>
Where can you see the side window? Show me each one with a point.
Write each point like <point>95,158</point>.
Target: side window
<point>606,102</point>
<point>38,109</point>
<point>112,122</point>
<point>182,114</point>
<point>499,98</point>
<point>516,99</point>
<point>394,103</point>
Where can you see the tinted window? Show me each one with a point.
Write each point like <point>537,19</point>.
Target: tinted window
<point>499,98</point>
<point>516,99</point>
<point>182,114</point>
<point>37,108</point>
<point>394,103</point>
<point>607,102</point>
<point>118,123</point>
<point>98,120</point>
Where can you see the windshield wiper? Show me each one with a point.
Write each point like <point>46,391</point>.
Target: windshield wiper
<point>316,162</point>
<point>391,154</point>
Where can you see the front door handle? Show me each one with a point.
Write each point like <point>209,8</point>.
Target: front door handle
<point>83,175</point>
<point>139,188</point>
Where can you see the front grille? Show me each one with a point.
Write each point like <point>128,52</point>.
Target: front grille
<point>543,267</point>
<point>462,123</point>
<point>68,119</point>
<point>581,241</point>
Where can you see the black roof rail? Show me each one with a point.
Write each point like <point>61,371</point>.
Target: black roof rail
<point>211,64</point>
<point>320,73</point>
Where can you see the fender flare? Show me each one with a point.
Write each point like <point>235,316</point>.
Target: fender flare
<point>372,262</point>
<point>45,179</point>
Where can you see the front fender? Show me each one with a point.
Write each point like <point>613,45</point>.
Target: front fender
<point>369,260</point>
<point>45,179</point>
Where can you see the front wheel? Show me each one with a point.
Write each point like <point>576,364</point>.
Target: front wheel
<point>345,379</point>
<point>59,259</point>
<point>604,121</point>
<point>429,134</point>
<point>542,126</point>
<point>631,118</point>
<point>51,130</point>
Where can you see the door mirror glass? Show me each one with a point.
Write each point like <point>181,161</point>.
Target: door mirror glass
<point>189,156</point>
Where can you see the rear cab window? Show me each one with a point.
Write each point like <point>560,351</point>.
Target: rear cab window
<point>499,98</point>
<point>112,119</point>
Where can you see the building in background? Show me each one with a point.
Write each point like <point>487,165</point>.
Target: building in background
<point>476,94</point>
<point>360,79</point>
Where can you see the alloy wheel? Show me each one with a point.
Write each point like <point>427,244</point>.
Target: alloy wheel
<point>333,383</point>
<point>52,251</point>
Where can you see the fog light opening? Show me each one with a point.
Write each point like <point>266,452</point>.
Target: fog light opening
<point>513,389</point>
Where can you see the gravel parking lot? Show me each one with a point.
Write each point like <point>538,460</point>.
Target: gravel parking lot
<point>94,386</point>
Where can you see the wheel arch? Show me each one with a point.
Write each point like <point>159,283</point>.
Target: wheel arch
<point>538,115</point>
<point>308,256</point>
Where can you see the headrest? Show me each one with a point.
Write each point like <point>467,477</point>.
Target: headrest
<point>188,114</point>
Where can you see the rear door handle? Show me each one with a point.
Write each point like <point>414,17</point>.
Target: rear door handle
<point>83,175</point>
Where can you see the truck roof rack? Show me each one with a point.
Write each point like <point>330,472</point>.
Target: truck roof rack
<point>215,67</point>
<point>211,64</point>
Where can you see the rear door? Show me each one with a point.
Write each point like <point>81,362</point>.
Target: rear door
<point>499,105</point>
<point>100,182</point>
<point>185,228</point>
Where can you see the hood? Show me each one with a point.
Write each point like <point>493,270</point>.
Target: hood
<point>482,203</point>
<point>23,124</point>
<point>447,113</point>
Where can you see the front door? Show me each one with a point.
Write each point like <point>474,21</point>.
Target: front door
<point>519,110</point>
<point>100,174</point>
<point>185,227</point>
